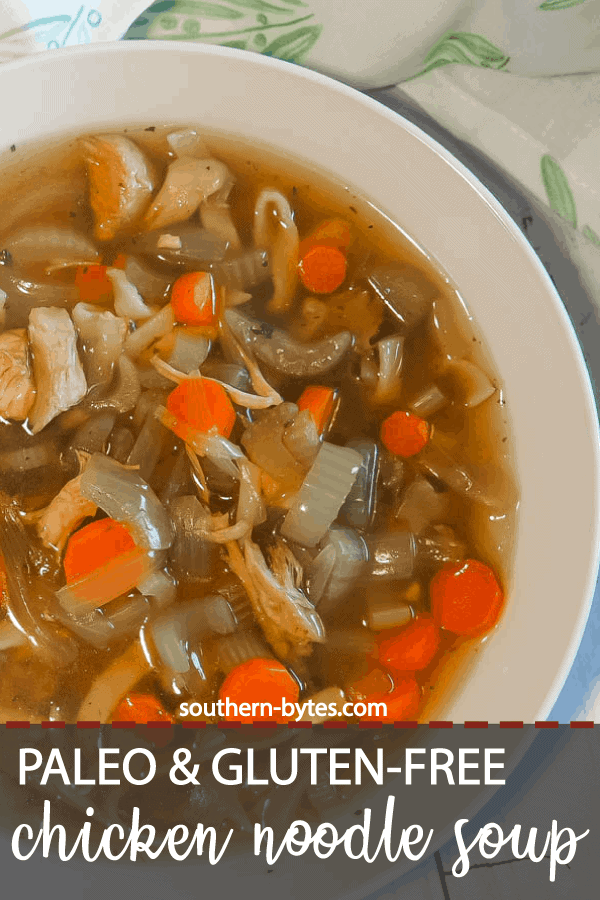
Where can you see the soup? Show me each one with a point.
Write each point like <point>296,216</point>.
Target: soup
<point>251,449</point>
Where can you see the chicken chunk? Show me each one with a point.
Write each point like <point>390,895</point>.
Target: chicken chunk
<point>66,512</point>
<point>120,180</point>
<point>187,184</point>
<point>102,335</point>
<point>288,619</point>
<point>17,388</point>
<point>57,370</point>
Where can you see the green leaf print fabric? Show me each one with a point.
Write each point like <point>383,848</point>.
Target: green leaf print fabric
<point>519,79</point>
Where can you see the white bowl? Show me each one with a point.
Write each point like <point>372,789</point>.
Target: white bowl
<point>520,670</point>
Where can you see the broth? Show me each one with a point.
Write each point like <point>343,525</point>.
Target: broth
<point>326,608</point>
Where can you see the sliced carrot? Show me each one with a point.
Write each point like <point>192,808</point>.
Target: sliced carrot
<point>466,598</point>
<point>412,647</point>
<point>114,578</point>
<point>140,708</point>
<point>320,402</point>
<point>194,299</point>
<point>322,269</point>
<point>259,681</point>
<point>201,405</point>
<point>404,434</point>
<point>94,284</point>
<point>93,546</point>
<point>331,233</point>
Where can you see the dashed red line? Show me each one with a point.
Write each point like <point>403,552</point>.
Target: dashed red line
<point>332,723</point>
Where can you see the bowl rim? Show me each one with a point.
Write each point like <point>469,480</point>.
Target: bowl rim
<point>145,48</point>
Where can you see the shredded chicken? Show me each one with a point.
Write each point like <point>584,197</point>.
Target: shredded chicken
<point>216,216</point>
<point>120,181</point>
<point>102,335</point>
<point>288,619</point>
<point>187,183</point>
<point>284,564</point>
<point>128,300</point>
<point>196,465</point>
<point>57,370</point>
<point>156,327</point>
<point>242,398</point>
<point>250,508</point>
<point>66,512</point>
<point>17,388</point>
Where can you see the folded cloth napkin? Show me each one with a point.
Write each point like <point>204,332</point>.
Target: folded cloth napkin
<point>27,26</point>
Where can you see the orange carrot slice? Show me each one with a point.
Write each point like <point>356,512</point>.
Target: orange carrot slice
<point>201,405</point>
<point>412,647</point>
<point>320,402</point>
<point>93,546</point>
<point>404,434</point>
<point>259,681</point>
<point>194,299</point>
<point>330,233</point>
<point>466,598</point>
<point>140,708</point>
<point>322,269</point>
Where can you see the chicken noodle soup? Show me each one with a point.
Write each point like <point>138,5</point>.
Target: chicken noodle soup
<point>251,447</point>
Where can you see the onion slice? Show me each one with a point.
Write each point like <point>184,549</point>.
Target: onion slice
<point>125,496</point>
<point>106,584</point>
<point>471,385</point>
<point>276,231</point>
<point>102,335</point>
<point>332,576</point>
<point>55,246</point>
<point>156,327</point>
<point>323,492</point>
<point>128,300</point>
